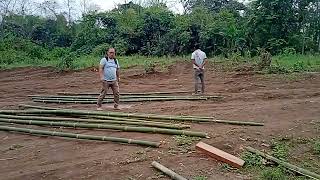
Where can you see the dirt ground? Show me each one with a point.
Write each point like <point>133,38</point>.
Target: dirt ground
<point>287,106</point>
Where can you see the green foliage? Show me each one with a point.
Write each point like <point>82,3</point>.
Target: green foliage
<point>288,63</point>
<point>225,28</point>
<point>149,67</point>
<point>183,140</point>
<point>100,50</point>
<point>279,150</point>
<point>252,160</point>
<point>66,61</point>
<point>275,173</point>
<point>316,147</point>
<point>200,178</point>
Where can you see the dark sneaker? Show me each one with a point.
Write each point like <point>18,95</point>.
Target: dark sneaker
<point>116,107</point>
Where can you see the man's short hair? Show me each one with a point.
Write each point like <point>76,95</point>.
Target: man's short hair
<point>197,46</point>
<point>108,49</point>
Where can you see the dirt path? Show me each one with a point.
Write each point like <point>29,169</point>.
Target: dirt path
<point>287,107</point>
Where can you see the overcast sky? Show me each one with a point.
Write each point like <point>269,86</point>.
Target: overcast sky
<point>110,4</point>
<point>106,5</point>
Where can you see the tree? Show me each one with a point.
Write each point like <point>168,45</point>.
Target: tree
<point>50,8</point>
<point>69,5</point>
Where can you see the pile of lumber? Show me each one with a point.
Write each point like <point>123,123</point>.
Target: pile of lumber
<point>91,98</point>
<point>134,122</point>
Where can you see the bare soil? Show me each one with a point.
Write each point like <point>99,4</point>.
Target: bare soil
<point>288,107</point>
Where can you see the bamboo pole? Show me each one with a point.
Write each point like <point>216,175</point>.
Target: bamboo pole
<point>104,126</point>
<point>127,93</point>
<point>181,126</point>
<point>167,171</point>
<point>26,106</point>
<point>284,164</point>
<point>111,97</point>
<point>80,136</point>
<point>137,122</point>
<point>118,114</point>
<point>90,101</point>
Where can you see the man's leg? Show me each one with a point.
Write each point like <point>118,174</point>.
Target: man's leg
<point>196,80</point>
<point>102,94</point>
<point>202,81</point>
<point>116,94</point>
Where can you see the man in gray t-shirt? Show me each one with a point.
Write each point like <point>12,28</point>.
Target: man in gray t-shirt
<point>199,59</point>
<point>109,76</point>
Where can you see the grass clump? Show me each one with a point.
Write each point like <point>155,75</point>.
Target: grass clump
<point>200,178</point>
<point>274,173</point>
<point>316,147</point>
<point>279,150</point>
<point>183,140</point>
<point>252,160</point>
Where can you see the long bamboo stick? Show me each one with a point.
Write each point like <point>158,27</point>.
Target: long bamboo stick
<point>118,114</point>
<point>111,97</point>
<point>167,171</point>
<point>285,164</point>
<point>80,136</point>
<point>182,126</point>
<point>104,126</point>
<point>90,101</point>
<point>26,106</point>
<point>137,122</point>
<point>127,93</point>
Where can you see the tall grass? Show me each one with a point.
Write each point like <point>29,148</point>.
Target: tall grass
<point>126,62</point>
<point>295,63</point>
<point>286,63</point>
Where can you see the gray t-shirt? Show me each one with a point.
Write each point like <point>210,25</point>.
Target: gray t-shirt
<point>199,56</point>
<point>109,69</point>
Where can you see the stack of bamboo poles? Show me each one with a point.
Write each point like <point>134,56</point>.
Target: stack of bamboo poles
<point>144,123</point>
<point>91,98</point>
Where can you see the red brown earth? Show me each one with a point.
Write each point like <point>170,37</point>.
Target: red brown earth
<point>288,107</point>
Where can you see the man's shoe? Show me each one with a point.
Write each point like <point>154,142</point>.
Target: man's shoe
<point>116,107</point>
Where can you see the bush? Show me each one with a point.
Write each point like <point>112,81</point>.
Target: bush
<point>100,50</point>
<point>121,47</point>
<point>149,67</point>
<point>66,61</point>
<point>277,69</point>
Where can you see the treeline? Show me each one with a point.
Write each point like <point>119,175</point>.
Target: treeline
<point>221,27</point>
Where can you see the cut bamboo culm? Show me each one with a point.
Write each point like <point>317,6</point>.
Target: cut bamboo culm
<point>105,126</point>
<point>167,171</point>
<point>134,122</point>
<point>285,164</point>
<point>90,101</point>
<point>50,97</point>
<point>131,93</point>
<point>80,136</point>
<point>187,118</point>
<point>117,114</point>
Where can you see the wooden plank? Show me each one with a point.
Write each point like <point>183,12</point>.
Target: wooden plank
<point>219,155</point>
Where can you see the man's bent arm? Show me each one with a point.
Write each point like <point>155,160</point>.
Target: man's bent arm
<point>194,62</point>
<point>204,62</point>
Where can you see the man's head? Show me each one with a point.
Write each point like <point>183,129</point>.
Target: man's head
<point>111,52</point>
<point>196,46</point>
